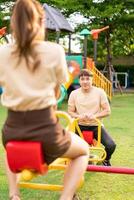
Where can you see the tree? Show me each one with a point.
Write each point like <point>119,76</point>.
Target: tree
<point>118,15</point>
<point>5,7</point>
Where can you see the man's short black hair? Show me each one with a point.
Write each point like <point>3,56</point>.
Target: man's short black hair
<point>85,72</point>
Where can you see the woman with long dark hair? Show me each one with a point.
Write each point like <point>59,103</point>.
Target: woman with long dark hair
<point>31,71</point>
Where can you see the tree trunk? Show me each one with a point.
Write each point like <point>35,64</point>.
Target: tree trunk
<point>109,66</point>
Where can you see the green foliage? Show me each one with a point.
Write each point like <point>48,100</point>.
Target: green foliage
<point>119,15</point>
<point>5,7</point>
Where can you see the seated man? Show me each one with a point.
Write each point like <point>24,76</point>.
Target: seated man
<point>87,103</point>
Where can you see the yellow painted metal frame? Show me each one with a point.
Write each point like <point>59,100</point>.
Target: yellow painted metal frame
<point>58,164</point>
<point>99,80</point>
<point>39,186</point>
<point>98,146</point>
<point>69,82</point>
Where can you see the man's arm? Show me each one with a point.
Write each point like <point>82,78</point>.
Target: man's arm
<point>104,106</point>
<point>72,111</point>
<point>106,111</point>
<point>72,108</point>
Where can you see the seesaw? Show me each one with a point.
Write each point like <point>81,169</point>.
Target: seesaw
<point>26,158</point>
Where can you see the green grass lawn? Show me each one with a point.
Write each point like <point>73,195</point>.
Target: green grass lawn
<point>97,186</point>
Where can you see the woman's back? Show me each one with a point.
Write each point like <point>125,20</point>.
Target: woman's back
<point>31,72</point>
<point>26,90</point>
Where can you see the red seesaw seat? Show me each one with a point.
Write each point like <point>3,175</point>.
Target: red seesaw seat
<point>25,155</point>
<point>88,136</point>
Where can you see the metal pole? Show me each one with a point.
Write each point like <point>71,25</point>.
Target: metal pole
<point>57,36</point>
<point>117,170</point>
<point>69,47</point>
<point>95,51</point>
<point>85,51</point>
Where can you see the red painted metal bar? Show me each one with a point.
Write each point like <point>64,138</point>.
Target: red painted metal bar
<point>2,31</point>
<point>109,169</point>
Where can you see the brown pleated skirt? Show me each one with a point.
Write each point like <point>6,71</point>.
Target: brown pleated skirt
<point>38,125</point>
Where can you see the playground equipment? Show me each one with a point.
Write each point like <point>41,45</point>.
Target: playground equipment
<point>85,33</point>
<point>115,79</point>
<point>95,34</point>
<point>31,164</point>
<point>99,80</point>
<point>22,159</point>
<point>73,71</point>
<point>55,21</point>
<point>2,31</point>
<point>1,90</point>
<point>115,170</point>
<point>97,151</point>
